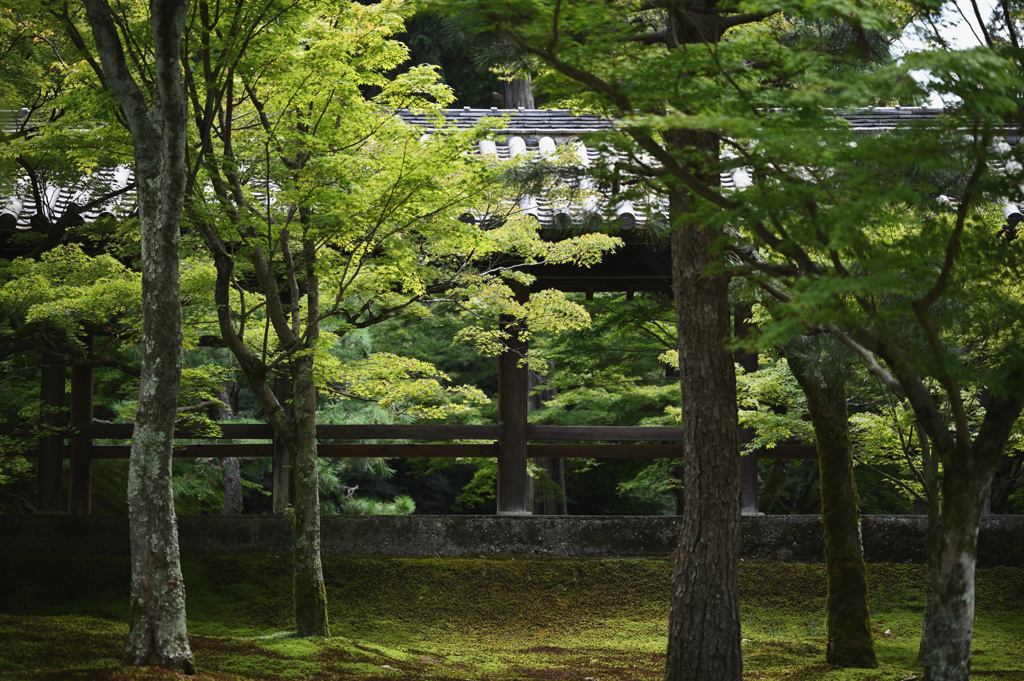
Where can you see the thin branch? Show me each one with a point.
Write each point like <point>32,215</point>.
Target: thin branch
<point>890,478</point>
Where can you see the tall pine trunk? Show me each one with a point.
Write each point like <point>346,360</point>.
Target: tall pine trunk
<point>847,613</point>
<point>157,631</point>
<point>704,625</point>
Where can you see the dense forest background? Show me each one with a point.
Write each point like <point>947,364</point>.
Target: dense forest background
<point>619,371</point>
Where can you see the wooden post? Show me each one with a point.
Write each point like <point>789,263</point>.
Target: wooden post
<point>284,485</point>
<point>80,483</point>
<point>748,464</point>
<point>50,475</point>
<point>513,394</point>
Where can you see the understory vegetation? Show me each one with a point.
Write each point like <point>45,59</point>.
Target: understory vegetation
<point>499,617</point>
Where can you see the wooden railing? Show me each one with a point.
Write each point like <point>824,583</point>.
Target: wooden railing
<point>607,442</point>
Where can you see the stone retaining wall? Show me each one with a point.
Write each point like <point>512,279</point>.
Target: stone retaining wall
<point>898,539</point>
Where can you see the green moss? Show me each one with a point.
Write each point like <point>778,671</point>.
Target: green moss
<point>508,617</point>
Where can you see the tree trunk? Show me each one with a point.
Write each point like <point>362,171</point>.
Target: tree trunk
<point>517,93</point>
<point>798,503</point>
<point>704,624</point>
<point>308,592</point>
<point>157,615</point>
<point>157,634</point>
<point>848,615</point>
<point>966,480</point>
<point>930,467</point>
<point>1005,481</point>
<point>232,468</point>
<point>949,621</point>
<point>773,484</point>
<point>548,494</point>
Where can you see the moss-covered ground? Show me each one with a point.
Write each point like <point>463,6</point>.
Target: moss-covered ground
<point>496,618</point>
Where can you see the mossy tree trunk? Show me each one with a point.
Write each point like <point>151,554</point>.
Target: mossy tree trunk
<point>949,619</point>
<point>969,456</point>
<point>704,626</point>
<point>930,471</point>
<point>848,616</point>
<point>309,595</point>
<point>232,468</point>
<point>157,628</point>
<point>297,428</point>
<point>967,473</point>
<point>773,484</point>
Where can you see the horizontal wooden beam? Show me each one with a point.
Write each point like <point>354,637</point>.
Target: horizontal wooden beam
<point>263,431</point>
<point>417,431</point>
<point>439,451</point>
<point>603,451</point>
<point>408,451</point>
<point>327,450</point>
<point>411,431</point>
<point>605,433</point>
<point>211,451</point>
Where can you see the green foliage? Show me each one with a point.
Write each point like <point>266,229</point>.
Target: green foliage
<point>772,403</point>
<point>68,292</point>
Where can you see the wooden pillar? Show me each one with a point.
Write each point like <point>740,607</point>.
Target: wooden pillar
<point>284,485</point>
<point>748,463</point>
<point>80,483</point>
<point>513,395</point>
<point>50,474</point>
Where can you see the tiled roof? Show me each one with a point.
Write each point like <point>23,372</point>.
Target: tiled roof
<point>18,211</point>
<point>875,119</point>
<point>560,122</point>
<point>531,133</point>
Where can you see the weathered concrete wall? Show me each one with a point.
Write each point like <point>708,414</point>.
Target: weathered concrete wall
<point>898,539</point>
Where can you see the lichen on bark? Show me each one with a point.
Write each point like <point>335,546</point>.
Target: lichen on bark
<point>848,619</point>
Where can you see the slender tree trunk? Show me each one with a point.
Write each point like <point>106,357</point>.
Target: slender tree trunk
<point>704,624</point>
<point>1005,481</point>
<point>157,634</point>
<point>309,594</point>
<point>799,501</point>
<point>930,466</point>
<point>679,493</point>
<point>548,494</point>
<point>232,468</point>
<point>773,484</point>
<point>848,616</point>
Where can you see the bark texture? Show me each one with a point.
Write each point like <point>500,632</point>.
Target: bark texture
<point>232,468</point>
<point>949,619</point>
<point>296,426</point>
<point>518,93</point>
<point>774,482</point>
<point>966,478</point>
<point>848,615</point>
<point>158,634</point>
<point>308,591</point>
<point>704,626</point>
